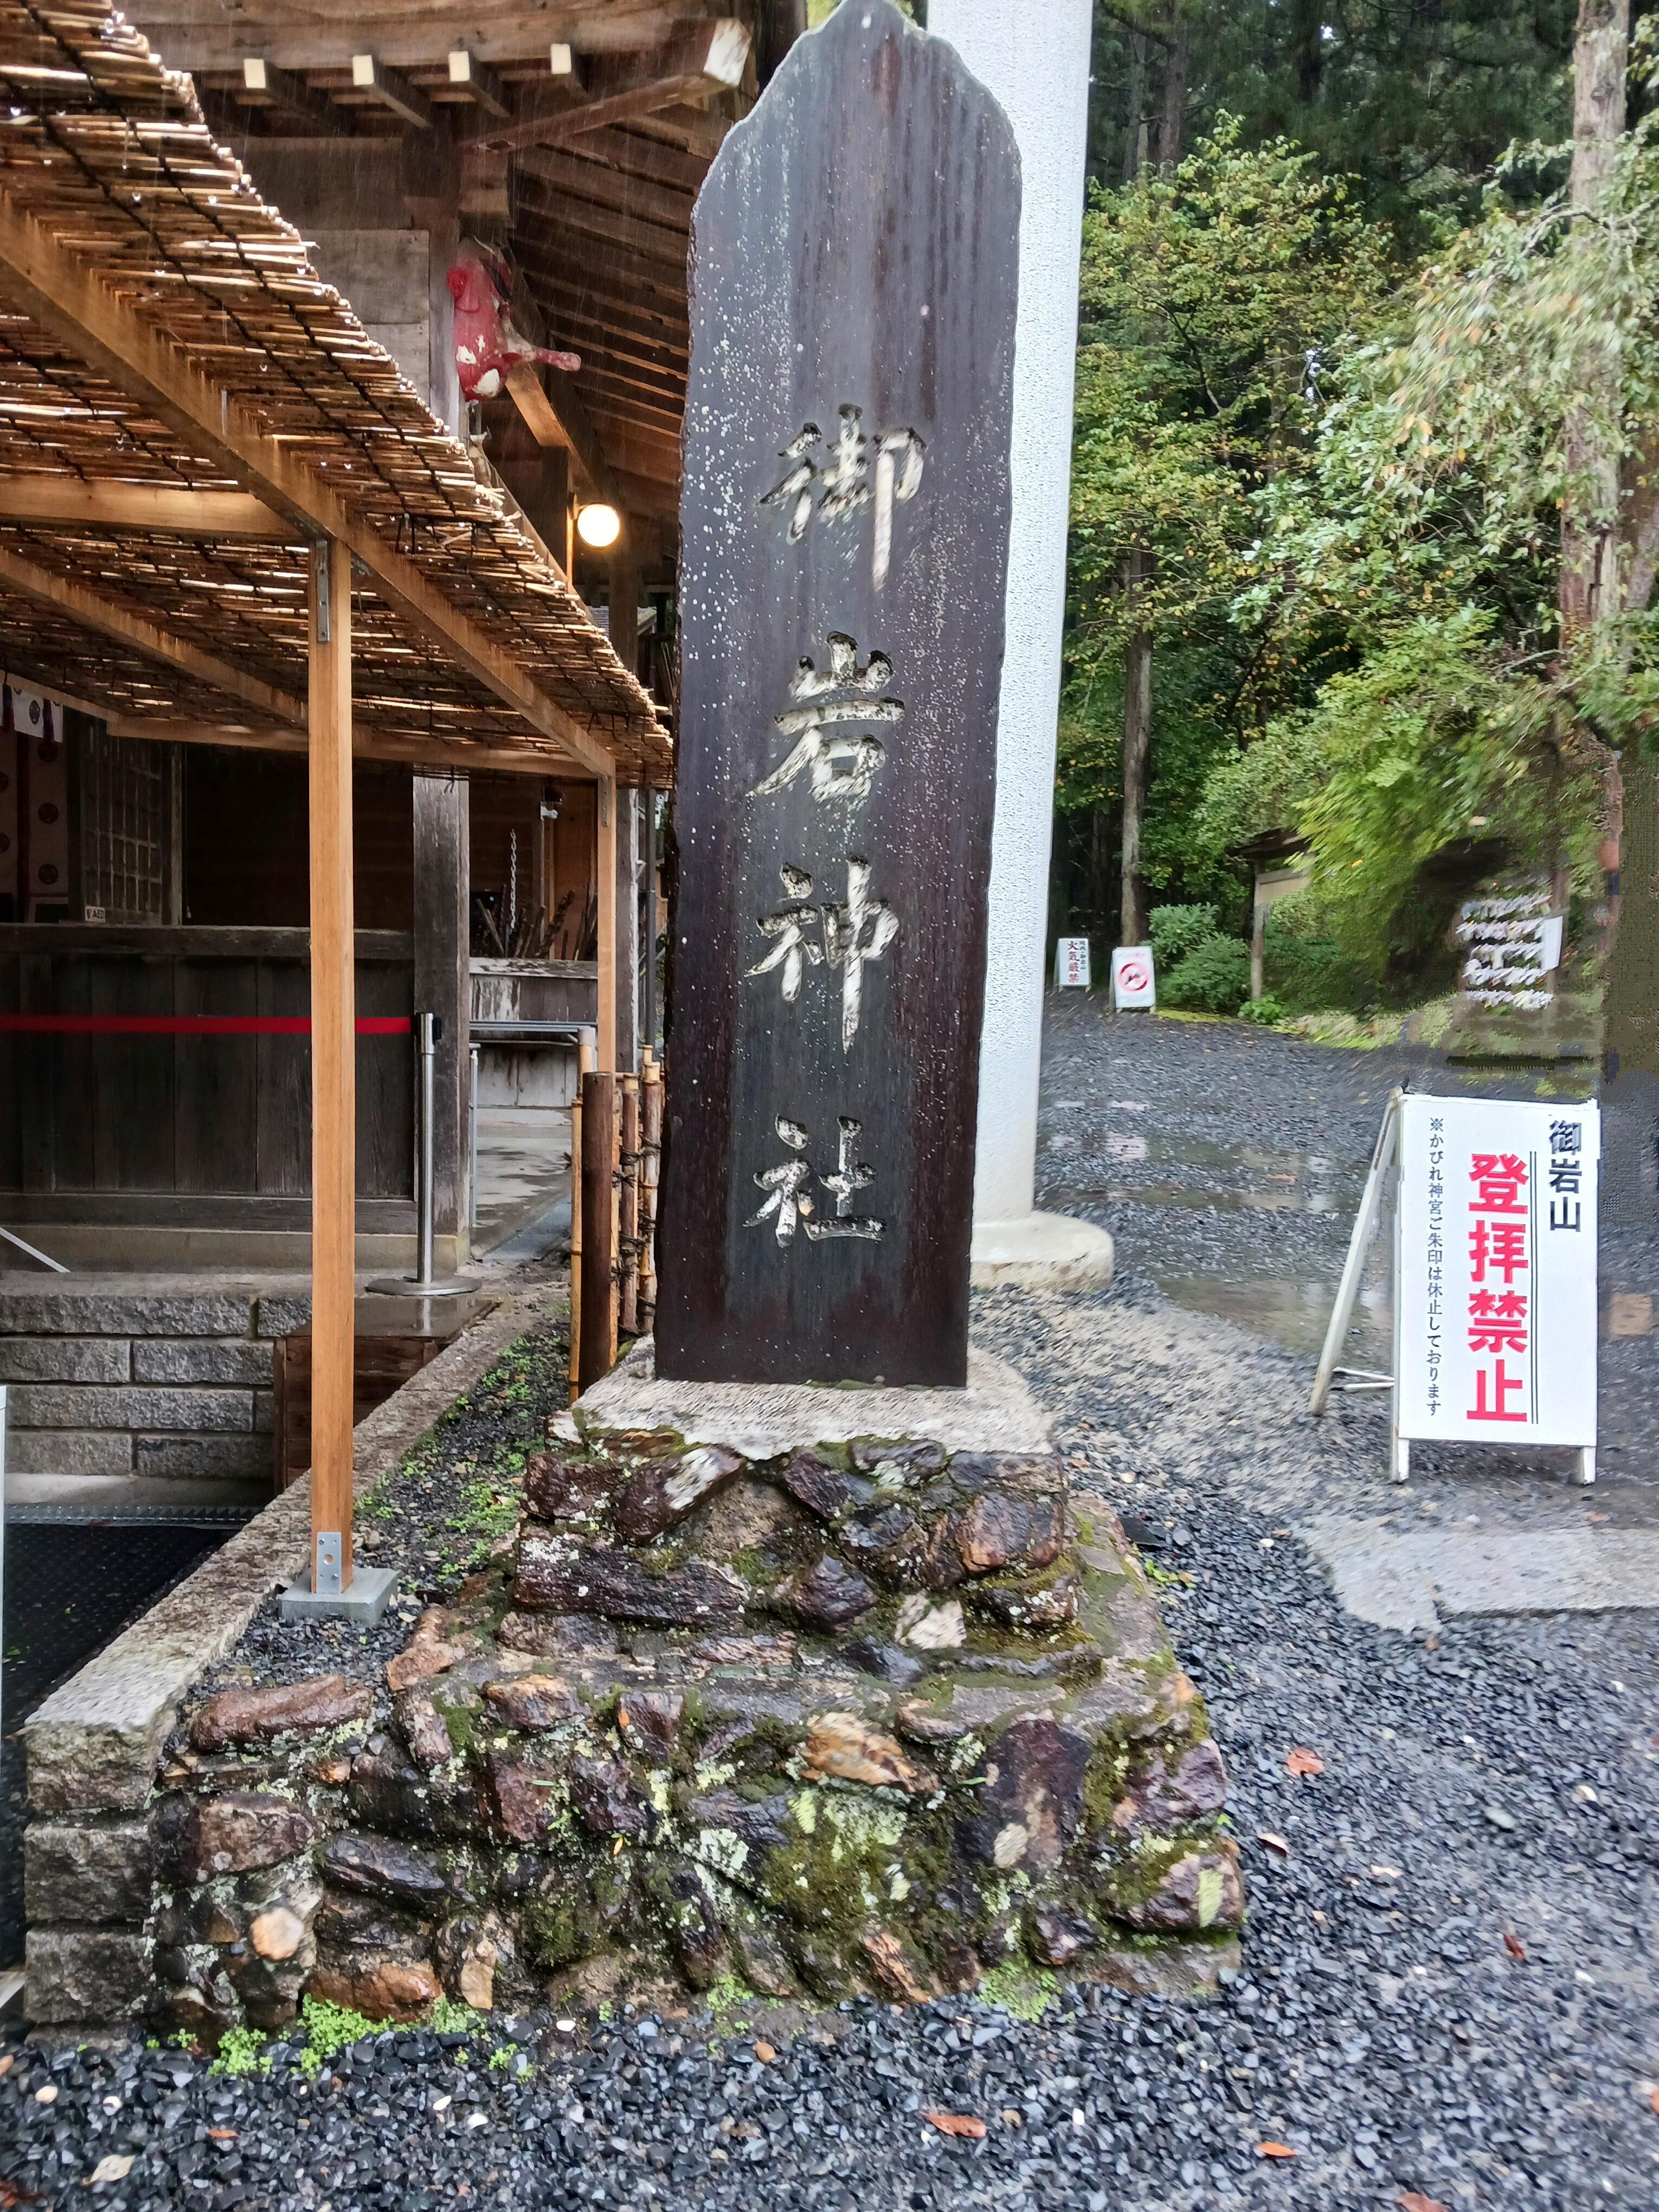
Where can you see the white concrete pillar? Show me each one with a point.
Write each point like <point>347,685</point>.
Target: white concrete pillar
<point>1035,61</point>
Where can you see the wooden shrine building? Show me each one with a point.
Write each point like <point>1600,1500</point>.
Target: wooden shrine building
<point>320,712</point>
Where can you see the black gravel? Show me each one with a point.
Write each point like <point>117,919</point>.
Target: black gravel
<point>1491,1791</point>
<point>455,1498</point>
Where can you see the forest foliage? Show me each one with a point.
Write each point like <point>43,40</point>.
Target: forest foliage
<point>1344,366</point>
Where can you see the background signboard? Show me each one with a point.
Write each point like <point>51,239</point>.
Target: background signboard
<point>1133,980</point>
<point>1071,964</point>
<point>1495,1323</point>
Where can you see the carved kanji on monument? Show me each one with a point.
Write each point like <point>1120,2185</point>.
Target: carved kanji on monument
<point>844,552</point>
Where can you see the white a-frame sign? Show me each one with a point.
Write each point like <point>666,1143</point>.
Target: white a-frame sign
<point>1494,1275</point>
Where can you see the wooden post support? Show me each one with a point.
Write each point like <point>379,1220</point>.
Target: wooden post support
<point>585,1056</point>
<point>605,859</point>
<point>650,1167</point>
<point>598,1197</point>
<point>628,831</point>
<point>443,985</point>
<point>627,1210</point>
<point>333,1106</point>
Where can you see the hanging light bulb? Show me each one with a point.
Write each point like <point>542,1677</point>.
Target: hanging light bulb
<point>598,526</point>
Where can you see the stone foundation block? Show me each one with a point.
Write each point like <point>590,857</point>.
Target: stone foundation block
<point>65,1359</point>
<point>86,1974</point>
<point>207,1459</point>
<point>68,1452</point>
<point>88,1875</point>
<point>74,1405</point>
<point>201,1359</point>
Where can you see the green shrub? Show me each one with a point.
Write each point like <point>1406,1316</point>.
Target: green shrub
<point>1214,978</point>
<point>1265,1010</point>
<point>1176,931</point>
<point>1310,972</point>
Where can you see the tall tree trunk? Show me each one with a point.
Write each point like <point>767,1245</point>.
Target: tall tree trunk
<point>1172,122</point>
<point>1589,580</point>
<point>1134,127</point>
<point>1588,584</point>
<point>1307,42</point>
<point>1137,750</point>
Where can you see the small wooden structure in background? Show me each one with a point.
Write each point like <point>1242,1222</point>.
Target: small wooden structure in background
<point>393,1339</point>
<point>616,1154</point>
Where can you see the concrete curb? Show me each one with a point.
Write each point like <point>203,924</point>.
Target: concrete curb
<point>92,1746</point>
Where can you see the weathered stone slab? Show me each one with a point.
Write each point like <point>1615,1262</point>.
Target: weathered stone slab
<point>996,1412</point>
<point>87,1875</point>
<point>236,1833</point>
<point>76,1974</point>
<point>201,1359</point>
<point>89,1405</point>
<point>557,1576</point>
<point>124,1305</point>
<point>68,1452</point>
<point>65,1359</point>
<point>301,1708</point>
<point>372,1865</point>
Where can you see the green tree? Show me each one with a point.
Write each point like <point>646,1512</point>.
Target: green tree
<point>1210,297</point>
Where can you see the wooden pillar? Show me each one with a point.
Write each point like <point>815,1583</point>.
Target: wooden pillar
<point>333,1068</point>
<point>629,832</point>
<point>443,983</point>
<point>605,877</point>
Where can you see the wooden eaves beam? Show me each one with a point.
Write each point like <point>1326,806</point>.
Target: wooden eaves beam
<point>391,89</point>
<point>478,79</point>
<point>74,305</point>
<point>264,85</point>
<point>366,744</point>
<point>91,611</point>
<point>558,418</point>
<point>695,61</point>
<point>46,501</point>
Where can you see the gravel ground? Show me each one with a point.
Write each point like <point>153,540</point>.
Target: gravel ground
<point>1450,1966</point>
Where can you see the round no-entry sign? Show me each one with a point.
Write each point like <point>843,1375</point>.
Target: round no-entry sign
<point>1132,977</point>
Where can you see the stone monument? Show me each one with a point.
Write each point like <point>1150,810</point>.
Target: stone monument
<point>844,554</point>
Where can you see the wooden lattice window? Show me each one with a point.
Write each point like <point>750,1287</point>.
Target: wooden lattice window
<point>123,827</point>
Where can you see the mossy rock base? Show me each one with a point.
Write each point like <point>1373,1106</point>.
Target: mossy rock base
<point>644,1769</point>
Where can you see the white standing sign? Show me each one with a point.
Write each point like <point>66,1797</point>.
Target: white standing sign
<point>1495,1327</point>
<point>1071,964</point>
<point>1494,1275</point>
<point>1133,983</point>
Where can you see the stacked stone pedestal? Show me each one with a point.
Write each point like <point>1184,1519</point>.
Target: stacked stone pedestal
<point>865,1711</point>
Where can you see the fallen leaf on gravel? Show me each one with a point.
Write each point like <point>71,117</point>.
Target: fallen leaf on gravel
<point>7,2064</point>
<point>1384,1873</point>
<point>1273,1843</point>
<point>956,2123</point>
<point>111,2169</point>
<point>1300,1760</point>
<point>13,2193</point>
<point>1598,1516</point>
<point>1409,2201</point>
<point>1010,2117</point>
<point>1275,2150</point>
<point>1654,2101</point>
<point>1514,1946</point>
<point>765,2053</point>
<point>222,2134</point>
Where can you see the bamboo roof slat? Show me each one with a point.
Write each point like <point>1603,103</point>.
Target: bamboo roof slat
<point>108,152</point>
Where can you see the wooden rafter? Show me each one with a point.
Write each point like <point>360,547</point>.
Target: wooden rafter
<point>46,501</point>
<point>698,60</point>
<point>75,602</point>
<point>366,744</point>
<point>85,315</point>
<point>504,33</point>
<point>390,88</point>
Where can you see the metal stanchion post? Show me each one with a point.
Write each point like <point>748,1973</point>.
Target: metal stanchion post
<point>472,1145</point>
<point>425,1283</point>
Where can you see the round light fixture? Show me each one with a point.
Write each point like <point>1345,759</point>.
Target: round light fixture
<point>599,526</point>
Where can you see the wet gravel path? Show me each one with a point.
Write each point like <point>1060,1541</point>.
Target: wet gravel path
<point>1451,1981</point>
